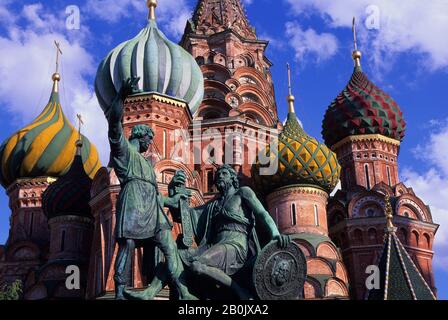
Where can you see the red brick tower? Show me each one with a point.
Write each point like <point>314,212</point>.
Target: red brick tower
<point>239,92</point>
<point>32,159</point>
<point>365,127</point>
<point>66,206</point>
<point>296,195</point>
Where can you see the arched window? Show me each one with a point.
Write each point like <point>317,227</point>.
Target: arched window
<point>357,236</point>
<point>316,215</point>
<point>63,240</point>
<point>366,168</point>
<point>293,214</point>
<point>389,178</point>
<point>210,181</point>
<point>31,224</point>
<point>414,238</point>
<point>427,241</point>
<point>164,144</point>
<point>403,236</point>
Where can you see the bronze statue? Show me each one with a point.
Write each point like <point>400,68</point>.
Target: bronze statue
<point>139,210</point>
<point>225,233</point>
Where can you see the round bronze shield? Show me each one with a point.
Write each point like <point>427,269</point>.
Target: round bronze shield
<point>279,274</point>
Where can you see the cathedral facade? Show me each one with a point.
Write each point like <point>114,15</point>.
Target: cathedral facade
<point>210,100</point>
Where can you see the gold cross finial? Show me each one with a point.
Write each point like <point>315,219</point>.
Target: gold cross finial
<point>355,42</point>
<point>356,53</point>
<point>56,76</point>
<point>80,123</point>
<point>289,78</point>
<point>290,97</point>
<point>58,52</point>
<point>152,5</point>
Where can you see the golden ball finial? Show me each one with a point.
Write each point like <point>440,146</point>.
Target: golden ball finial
<point>356,55</point>
<point>152,5</point>
<point>290,98</point>
<point>56,78</point>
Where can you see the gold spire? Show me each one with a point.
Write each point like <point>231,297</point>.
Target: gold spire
<point>79,141</point>
<point>152,4</point>
<point>290,97</point>
<point>56,76</point>
<point>356,55</point>
<point>389,214</point>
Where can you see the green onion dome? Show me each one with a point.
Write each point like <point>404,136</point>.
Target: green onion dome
<point>302,160</point>
<point>163,67</point>
<point>45,147</point>
<point>70,194</point>
<point>362,108</point>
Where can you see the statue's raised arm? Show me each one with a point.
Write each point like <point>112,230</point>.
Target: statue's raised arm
<point>114,114</point>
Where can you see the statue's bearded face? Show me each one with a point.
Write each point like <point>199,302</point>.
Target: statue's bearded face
<point>224,180</point>
<point>144,142</point>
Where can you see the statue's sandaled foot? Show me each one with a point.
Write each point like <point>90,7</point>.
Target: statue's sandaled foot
<point>147,294</point>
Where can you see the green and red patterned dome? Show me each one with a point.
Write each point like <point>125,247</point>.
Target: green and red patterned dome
<point>301,159</point>
<point>360,109</point>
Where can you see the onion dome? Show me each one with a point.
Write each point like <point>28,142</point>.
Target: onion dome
<point>302,160</point>
<point>163,67</point>
<point>70,194</point>
<point>45,147</point>
<point>362,108</point>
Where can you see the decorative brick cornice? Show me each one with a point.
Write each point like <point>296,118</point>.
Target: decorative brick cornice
<point>159,108</point>
<point>30,183</point>
<point>157,97</point>
<point>299,189</point>
<point>365,137</point>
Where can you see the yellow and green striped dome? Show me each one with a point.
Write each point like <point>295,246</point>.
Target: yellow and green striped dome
<point>45,147</point>
<point>302,160</point>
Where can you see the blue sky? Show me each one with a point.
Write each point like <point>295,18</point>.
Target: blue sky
<point>405,52</point>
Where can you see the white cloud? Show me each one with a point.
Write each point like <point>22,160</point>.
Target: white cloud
<point>171,14</point>
<point>405,26</point>
<point>309,43</point>
<point>112,10</point>
<point>28,60</point>
<point>432,188</point>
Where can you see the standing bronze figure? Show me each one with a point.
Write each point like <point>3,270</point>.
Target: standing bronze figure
<point>139,210</point>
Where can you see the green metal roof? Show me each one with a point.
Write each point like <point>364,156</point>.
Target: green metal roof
<point>399,277</point>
